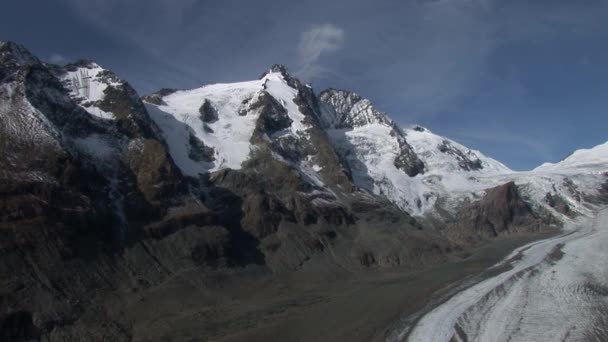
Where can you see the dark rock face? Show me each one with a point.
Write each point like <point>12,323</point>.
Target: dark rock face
<point>558,203</point>
<point>501,211</point>
<point>335,169</point>
<point>350,110</point>
<point>198,151</point>
<point>157,97</point>
<point>280,212</point>
<point>295,228</point>
<point>129,110</point>
<point>208,112</point>
<point>155,172</point>
<point>407,160</point>
<point>466,160</point>
<point>419,129</point>
<point>501,208</point>
<point>18,326</point>
<point>13,54</point>
<point>273,116</point>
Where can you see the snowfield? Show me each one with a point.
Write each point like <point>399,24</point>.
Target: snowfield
<point>556,290</point>
<point>231,133</point>
<point>370,150</point>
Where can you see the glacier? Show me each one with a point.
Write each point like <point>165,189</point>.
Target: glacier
<point>554,290</point>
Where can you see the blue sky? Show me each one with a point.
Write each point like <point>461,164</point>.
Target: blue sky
<point>523,81</point>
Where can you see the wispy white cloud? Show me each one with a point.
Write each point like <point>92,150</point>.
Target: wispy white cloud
<point>318,40</point>
<point>57,59</point>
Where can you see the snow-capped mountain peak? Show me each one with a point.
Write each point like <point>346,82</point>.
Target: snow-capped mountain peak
<point>15,54</point>
<point>277,68</point>
<point>215,115</point>
<point>224,117</point>
<point>280,85</point>
<point>335,138</point>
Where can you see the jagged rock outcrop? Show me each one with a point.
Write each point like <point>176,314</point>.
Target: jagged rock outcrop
<point>157,97</point>
<point>347,110</point>
<point>272,117</point>
<point>407,160</point>
<point>559,204</point>
<point>208,112</point>
<point>350,110</point>
<point>500,211</point>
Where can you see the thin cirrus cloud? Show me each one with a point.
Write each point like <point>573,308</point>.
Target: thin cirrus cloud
<point>57,59</point>
<point>318,40</point>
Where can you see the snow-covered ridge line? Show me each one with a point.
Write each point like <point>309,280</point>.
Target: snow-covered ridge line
<point>210,128</point>
<point>442,155</point>
<point>367,138</point>
<point>593,159</point>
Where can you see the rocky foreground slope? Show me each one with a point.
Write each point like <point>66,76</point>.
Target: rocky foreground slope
<point>106,193</point>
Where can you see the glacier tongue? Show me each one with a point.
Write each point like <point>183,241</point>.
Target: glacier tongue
<point>554,291</point>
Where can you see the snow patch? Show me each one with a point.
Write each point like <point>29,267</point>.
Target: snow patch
<point>229,136</point>
<point>371,151</point>
<point>87,87</point>
<point>177,135</point>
